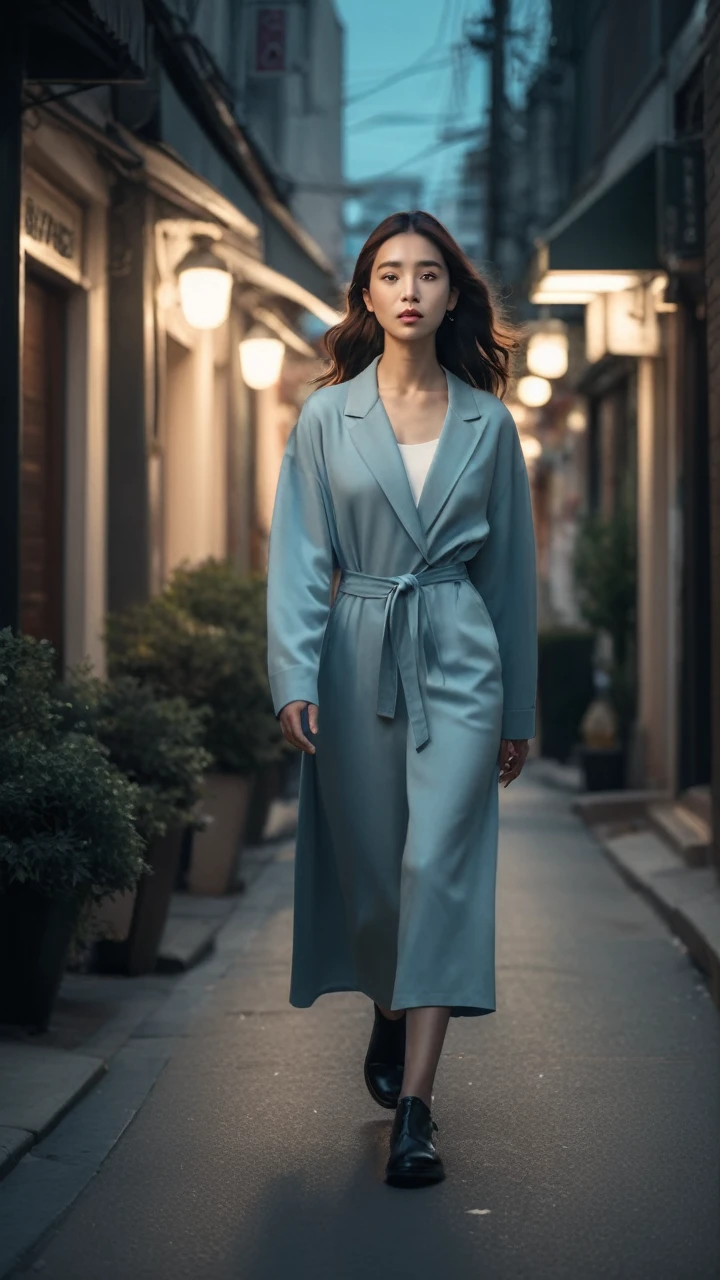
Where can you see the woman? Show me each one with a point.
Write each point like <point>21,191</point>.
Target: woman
<point>412,692</point>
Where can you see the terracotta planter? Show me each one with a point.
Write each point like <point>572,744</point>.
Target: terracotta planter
<point>216,850</point>
<point>35,935</point>
<point>134,950</point>
<point>266,788</point>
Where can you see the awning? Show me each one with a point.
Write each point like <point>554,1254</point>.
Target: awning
<point>648,220</point>
<point>615,231</point>
<point>86,42</point>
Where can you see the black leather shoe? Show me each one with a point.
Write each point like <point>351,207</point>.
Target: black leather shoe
<point>385,1059</point>
<point>413,1159</point>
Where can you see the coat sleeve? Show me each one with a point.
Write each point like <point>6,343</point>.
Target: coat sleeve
<point>504,572</point>
<point>300,566</point>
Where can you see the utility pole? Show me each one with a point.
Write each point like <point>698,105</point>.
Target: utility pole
<point>491,40</point>
<point>498,157</point>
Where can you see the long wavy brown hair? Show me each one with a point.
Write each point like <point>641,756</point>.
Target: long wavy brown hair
<point>477,344</point>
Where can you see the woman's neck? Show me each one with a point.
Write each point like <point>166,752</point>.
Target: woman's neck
<point>407,367</point>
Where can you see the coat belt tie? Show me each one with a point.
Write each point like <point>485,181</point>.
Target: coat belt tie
<point>403,636</point>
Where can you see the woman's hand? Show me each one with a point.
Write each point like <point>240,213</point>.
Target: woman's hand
<point>291,725</point>
<point>513,754</point>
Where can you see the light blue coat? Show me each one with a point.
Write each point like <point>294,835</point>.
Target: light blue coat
<point>425,658</point>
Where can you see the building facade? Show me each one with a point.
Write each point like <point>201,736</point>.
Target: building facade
<point>139,442</point>
<point>623,141</point>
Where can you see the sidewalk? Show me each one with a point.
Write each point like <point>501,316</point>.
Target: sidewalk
<point>43,1076</point>
<point>687,898</point>
<point>579,1124</point>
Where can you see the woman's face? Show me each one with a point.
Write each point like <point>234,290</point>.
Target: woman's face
<point>409,274</point>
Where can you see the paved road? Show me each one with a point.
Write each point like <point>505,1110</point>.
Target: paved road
<point>579,1124</point>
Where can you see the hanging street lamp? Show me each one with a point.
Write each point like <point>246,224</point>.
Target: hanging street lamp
<point>205,285</point>
<point>547,352</point>
<point>533,391</point>
<point>261,358</point>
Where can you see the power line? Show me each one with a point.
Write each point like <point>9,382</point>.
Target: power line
<point>396,78</point>
<point>395,118</point>
<point>415,67</point>
<point>349,188</point>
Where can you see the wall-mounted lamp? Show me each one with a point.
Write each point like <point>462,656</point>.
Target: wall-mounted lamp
<point>533,391</point>
<point>205,285</point>
<point>547,351</point>
<point>261,358</point>
<point>579,287</point>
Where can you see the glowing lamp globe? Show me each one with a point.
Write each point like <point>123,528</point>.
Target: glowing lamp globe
<point>205,286</point>
<point>261,358</point>
<point>547,354</point>
<point>577,420</point>
<point>533,391</point>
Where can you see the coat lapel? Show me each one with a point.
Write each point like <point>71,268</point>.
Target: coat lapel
<point>373,437</point>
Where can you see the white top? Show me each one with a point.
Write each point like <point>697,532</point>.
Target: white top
<point>417,459</point>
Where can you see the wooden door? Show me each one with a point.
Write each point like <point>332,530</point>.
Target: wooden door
<point>42,464</point>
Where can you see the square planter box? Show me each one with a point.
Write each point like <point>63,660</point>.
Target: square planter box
<point>604,768</point>
<point>268,781</point>
<point>137,919</point>
<point>35,935</point>
<point>216,850</point>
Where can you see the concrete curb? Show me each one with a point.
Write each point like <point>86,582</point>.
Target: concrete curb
<point>687,898</point>
<point>38,1086</point>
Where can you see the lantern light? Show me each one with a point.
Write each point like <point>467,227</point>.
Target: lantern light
<point>533,391</point>
<point>547,352</point>
<point>577,420</point>
<point>205,285</point>
<point>261,358</point>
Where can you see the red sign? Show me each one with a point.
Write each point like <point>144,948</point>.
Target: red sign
<point>271,39</point>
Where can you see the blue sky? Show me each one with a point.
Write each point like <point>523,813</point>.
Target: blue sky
<point>385,37</point>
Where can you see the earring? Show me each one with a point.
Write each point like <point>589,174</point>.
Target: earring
<point>449,315</point>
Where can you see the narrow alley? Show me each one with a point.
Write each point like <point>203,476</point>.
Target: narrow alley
<point>579,1124</point>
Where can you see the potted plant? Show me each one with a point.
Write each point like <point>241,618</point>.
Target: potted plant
<point>222,669</point>
<point>157,743</point>
<point>605,576</point>
<point>67,832</point>
<point>215,592</point>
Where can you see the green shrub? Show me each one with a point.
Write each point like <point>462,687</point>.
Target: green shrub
<point>27,677</point>
<point>606,577</point>
<point>154,741</point>
<point>67,819</point>
<point>606,581</point>
<point>215,592</point>
<point>218,667</point>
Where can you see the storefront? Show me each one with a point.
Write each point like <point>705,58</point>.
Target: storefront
<point>630,255</point>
